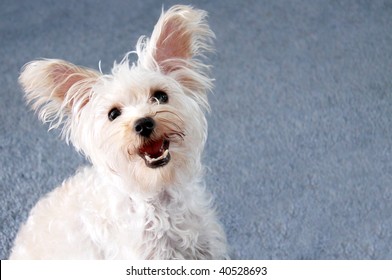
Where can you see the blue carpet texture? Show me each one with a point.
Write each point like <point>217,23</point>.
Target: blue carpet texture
<point>299,153</point>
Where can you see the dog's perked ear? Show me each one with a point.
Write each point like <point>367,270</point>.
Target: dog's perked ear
<point>56,88</point>
<point>180,36</point>
<point>181,33</point>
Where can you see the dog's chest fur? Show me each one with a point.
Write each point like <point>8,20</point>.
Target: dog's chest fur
<point>165,226</point>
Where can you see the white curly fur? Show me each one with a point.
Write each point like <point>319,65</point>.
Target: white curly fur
<point>120,208</point>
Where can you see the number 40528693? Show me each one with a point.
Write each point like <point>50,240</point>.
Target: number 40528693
<point>240,270</point>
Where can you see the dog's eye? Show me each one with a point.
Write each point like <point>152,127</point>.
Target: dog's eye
<point>113,114</point>
<point>160,97</point>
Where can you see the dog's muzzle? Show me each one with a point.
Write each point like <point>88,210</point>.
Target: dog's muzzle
<point>154,152</point>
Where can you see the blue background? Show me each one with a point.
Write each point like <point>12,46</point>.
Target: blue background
<point>299,149</point>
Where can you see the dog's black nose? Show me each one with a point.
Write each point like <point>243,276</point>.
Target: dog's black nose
<point>144,126</point>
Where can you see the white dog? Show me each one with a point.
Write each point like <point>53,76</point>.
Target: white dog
<point>143,128</point>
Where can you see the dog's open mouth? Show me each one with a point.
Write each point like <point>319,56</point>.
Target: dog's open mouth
<point>155,153</point>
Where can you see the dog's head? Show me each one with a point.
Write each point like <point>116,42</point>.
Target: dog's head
<point>145,120</point>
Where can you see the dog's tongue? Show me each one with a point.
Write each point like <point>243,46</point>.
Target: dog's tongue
<point>154,148</point>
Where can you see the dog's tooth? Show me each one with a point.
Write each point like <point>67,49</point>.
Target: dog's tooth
<point>151,160</point>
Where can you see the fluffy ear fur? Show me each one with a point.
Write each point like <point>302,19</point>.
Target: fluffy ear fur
<point>56,88</point>
<point>180,34</point>
<point>179,37</point>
